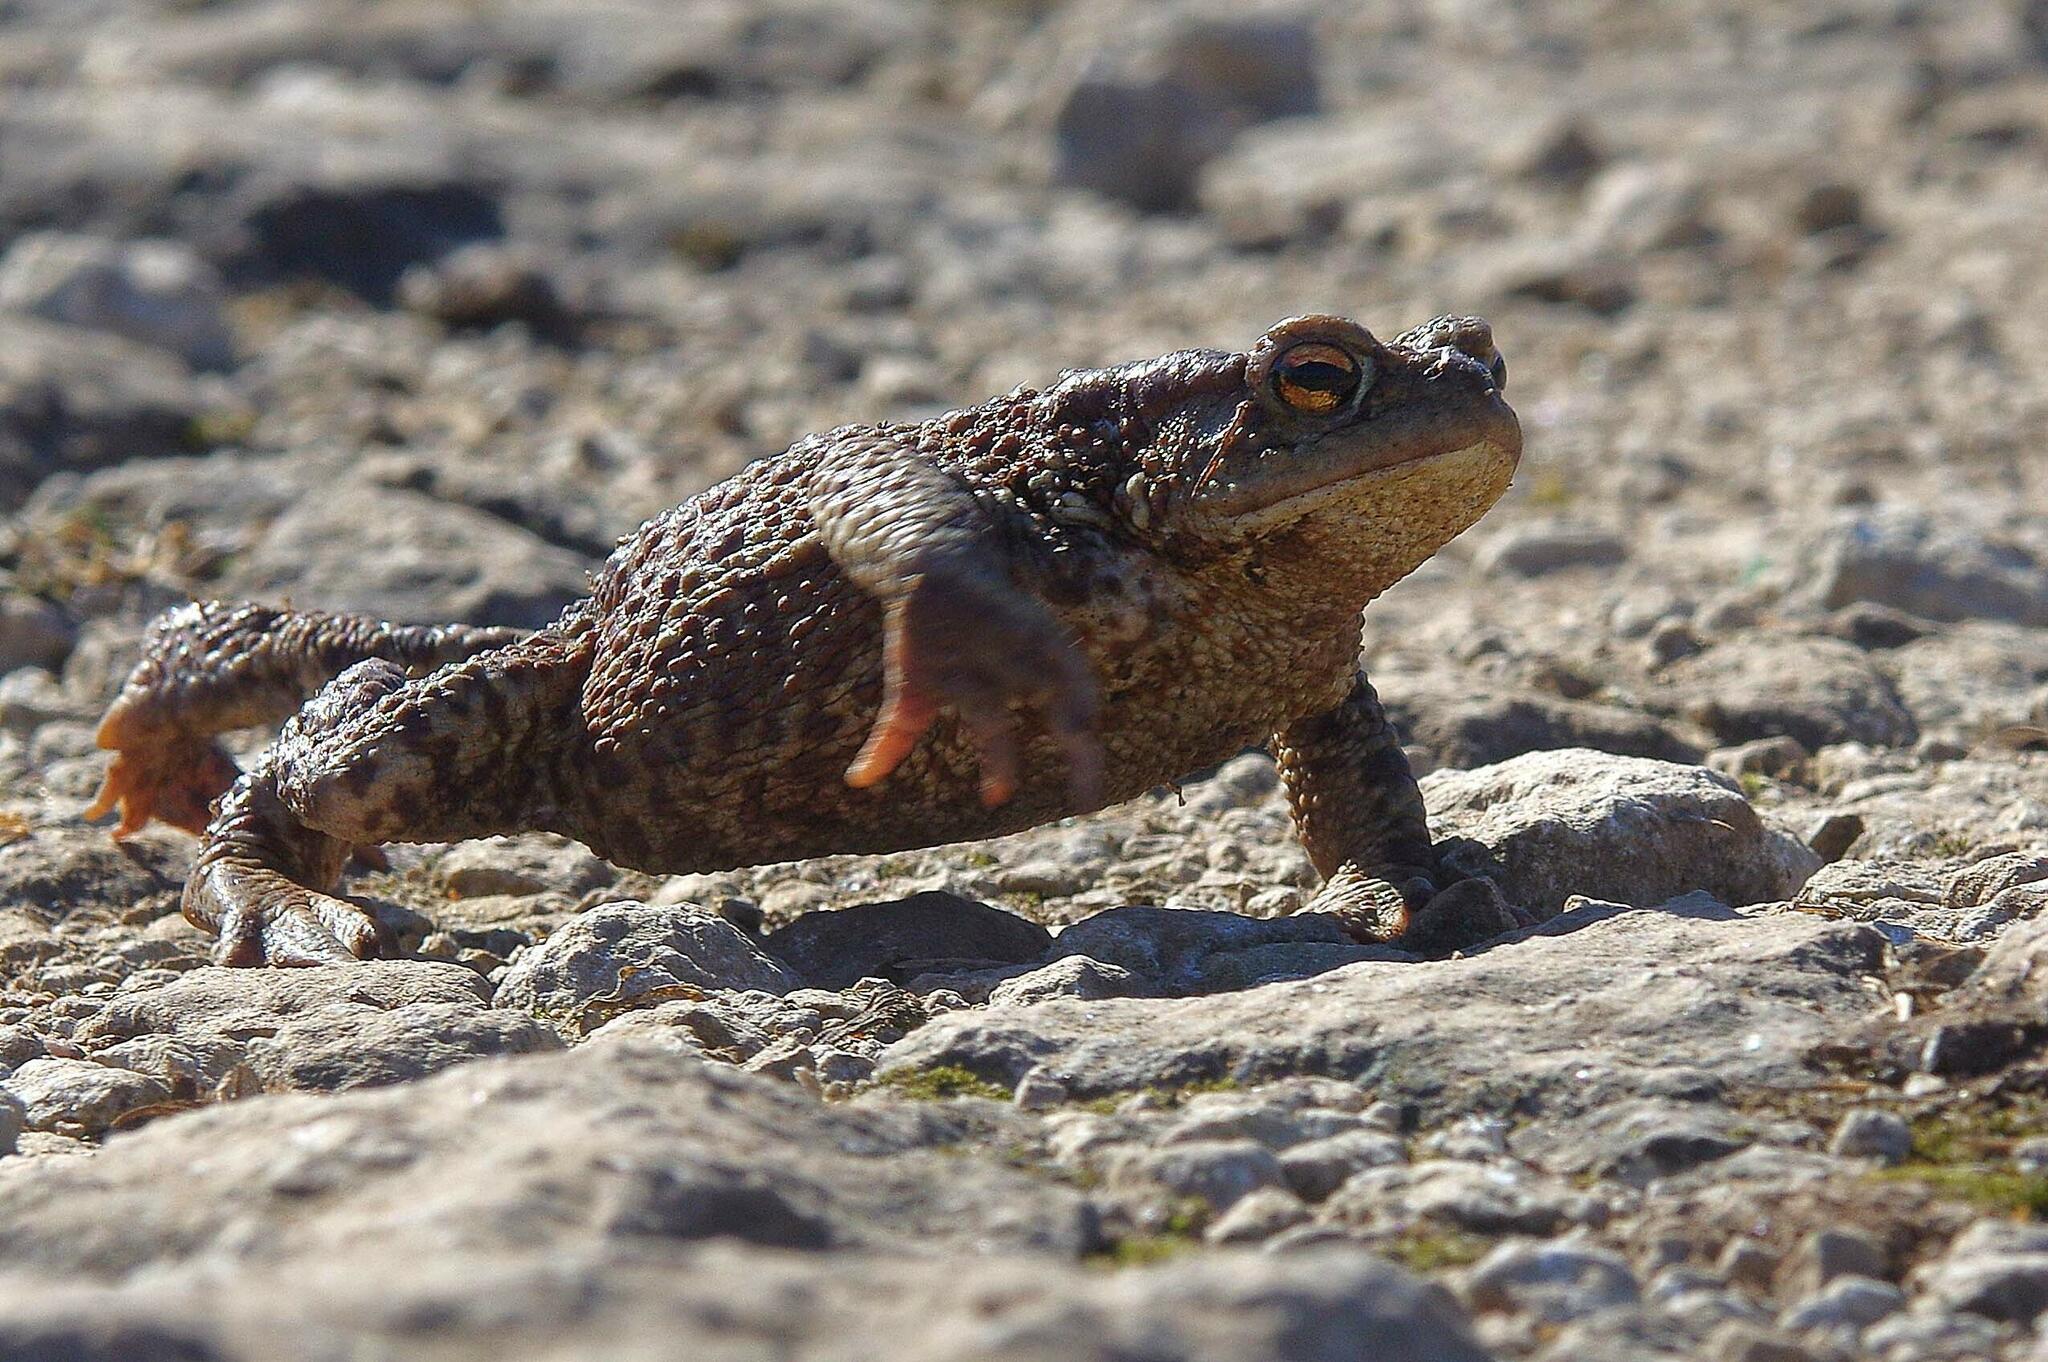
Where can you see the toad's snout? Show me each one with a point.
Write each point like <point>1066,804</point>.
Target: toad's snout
<point>1473,339</point>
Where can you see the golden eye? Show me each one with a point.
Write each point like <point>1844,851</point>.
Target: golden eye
<point>1315,377</point>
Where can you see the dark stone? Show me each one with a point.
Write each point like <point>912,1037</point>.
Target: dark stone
<point>1836,834</point>
<point>927,933</point>
<point>683,1203</point>
<point>364,237</point>
<point>1464,729</point>
<point>1965,1049</point>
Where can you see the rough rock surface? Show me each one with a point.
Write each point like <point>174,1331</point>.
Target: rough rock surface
<point>1621,828</point>
<point>622,954</point>
<point>418,307</point>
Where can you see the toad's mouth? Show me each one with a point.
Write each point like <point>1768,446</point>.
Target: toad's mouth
<point>1488,448</point>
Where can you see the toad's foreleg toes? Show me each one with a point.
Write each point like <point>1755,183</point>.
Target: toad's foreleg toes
<point>1410,911</point>
<point>1371,906</point>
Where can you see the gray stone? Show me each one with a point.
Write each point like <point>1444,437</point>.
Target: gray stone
<point>1988,1021</point>
<point>521,865</point>
<point>679,1178</point>
<point>1780,758</point>
<point>62,869</point>
<point>1968,681</point>
<point>1468,1137</point>
<point>1073,976</point>
<point>1932,1334</point>
<point>1316,1168</point>
<point>349,1048</point>
<point>483,285</point>
<point>1141,134</point>
<point>1217,1173</point>
<point>1638,1142</point>
<point>623,955</point>
<point>1625,829</point>
<point>1995,1269</point>
<point>1264,1114</point>
<point>1467,724</point>
<point>34,633</point>
<point>1984,881</point>
<point>1180,951</point>
<point>13,1120</point>
<point>1828,1253</point>
<point>1872,1134</point>
<point>1554,1282</point>
<point>1849,1302</point>
<point>79,1096</point>
<point>1744,996</point>
<point>72,401</point>
<point>904,938</point>
<point>160,293</point>
<point>1637,208</point>
<point>1741,1341</point>
<point>1256,1217</point>
<point>1483,1198</point>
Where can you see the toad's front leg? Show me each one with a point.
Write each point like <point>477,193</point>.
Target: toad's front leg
<point>1360,816</point>
<point>962,628</point>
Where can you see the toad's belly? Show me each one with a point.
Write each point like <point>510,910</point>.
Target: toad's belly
<point>714,767</point>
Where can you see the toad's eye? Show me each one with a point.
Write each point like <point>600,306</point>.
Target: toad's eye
<point>1316,377</point>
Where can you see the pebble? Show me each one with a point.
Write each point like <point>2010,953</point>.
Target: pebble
<point>1848,1302</point>
<point>1872,1134</point>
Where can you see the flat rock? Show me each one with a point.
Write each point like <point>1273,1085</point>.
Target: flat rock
<point>72,400</point>
<point>1818,690</point>
<point>1970,680</point>
<point>1540,1018</point>
<point>695,1198</point>
<point>62,869</point>
<point>648,1302</point>
<point>400,555</point>
<point>1182,951</point>
<point>1937,568</point>
<point>322,1029</point>
<point>1625,829</point>
<point>78,1096</point>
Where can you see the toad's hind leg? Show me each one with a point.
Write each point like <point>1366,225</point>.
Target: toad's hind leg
<point>467,751</point>
<point>209,668</point>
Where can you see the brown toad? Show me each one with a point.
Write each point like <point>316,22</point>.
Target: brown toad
<point>887,637</point>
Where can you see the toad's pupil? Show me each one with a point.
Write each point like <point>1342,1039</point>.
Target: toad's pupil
<point>1318,377</point>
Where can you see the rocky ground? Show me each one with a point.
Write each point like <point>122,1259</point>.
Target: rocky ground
<point>413,307</point>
